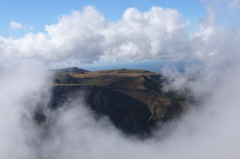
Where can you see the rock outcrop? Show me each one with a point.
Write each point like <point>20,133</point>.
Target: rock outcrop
<point>132,99</point>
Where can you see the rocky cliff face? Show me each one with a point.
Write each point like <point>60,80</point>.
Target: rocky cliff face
<point>132,99</point>
<point>126,113</point>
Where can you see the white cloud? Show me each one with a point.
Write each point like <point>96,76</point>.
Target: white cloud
<point>15,25</point>
<point>158,33</point>
<point>87,37</point>
<point>18,101</point>
<point>209,130</point>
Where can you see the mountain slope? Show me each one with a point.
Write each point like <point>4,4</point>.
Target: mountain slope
<point>132,99</point>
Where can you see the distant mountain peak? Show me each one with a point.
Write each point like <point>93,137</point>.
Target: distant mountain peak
<point>70,70</point>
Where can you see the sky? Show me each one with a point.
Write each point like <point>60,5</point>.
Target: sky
<point>34,15</point>
<point>86,33</point>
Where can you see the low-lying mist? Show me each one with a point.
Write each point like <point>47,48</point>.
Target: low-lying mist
<point>207,130</point>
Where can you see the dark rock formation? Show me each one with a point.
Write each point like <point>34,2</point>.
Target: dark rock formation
<point>126,113</point>
<point>132,99</point>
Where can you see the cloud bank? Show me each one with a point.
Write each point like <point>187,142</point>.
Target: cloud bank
<point>87,37</point>
<point>208,130</point>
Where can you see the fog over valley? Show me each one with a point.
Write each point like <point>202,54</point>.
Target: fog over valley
<point>185,111</point>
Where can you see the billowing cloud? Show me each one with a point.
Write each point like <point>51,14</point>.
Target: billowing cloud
<point>15,25</point>
<point>207,130</point>
<point>87,37</point>
<point>158,33</point>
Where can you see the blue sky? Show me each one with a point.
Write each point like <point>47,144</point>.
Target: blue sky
<point>63,33</point>
<point>37,14</point>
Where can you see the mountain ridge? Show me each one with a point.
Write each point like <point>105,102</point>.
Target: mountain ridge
<point>133,99</point>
